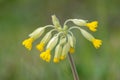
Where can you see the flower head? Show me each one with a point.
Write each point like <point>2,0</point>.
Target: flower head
<point>63,41</point>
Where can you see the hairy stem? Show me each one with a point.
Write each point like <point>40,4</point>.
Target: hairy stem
<point>73,67</point>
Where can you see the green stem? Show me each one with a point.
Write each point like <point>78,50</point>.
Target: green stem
<point>73,67</point>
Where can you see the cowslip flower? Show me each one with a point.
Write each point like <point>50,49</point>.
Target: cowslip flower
<point>95,42</point>
<point>91,25</point>
<point>63,40</point>
<point>45,39</point>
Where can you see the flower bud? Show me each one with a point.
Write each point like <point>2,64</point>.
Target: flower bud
<point>65,27</point>
<point>65,51</point>
<point>55,21</point>
<point>70,40</point>
<point>52,43</point>
<point>62,40</point>
<point>87,35</point>
<point>74,40</point>
<point>37,33</point>
<point>46,38</point>
<point>58,51</point>
<point>79,22</point>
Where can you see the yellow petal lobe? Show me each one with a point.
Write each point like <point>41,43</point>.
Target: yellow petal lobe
<point>28,43</point>
<point>56,60</point>
<point>40,46</point>
<point>46,55</point>
<point>92,25</point>
<point>97,43</point>
<point>72,50</point>
<point>62,57</point>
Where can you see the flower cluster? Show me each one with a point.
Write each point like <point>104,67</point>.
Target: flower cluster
<point>62,40</point>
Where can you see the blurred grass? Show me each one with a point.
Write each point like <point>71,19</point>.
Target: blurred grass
<point>18,18</point>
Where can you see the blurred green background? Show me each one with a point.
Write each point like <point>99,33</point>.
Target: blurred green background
<point>18,18</point>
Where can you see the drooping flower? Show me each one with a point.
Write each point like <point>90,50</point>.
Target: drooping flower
<point>65,51</point>
<point>63,41</point>
<point>44,41</point>
<point>33,36</point>
<point>58,51</point>
<point>91,25</point>
<point>96,42</point>
<point>52,43</point>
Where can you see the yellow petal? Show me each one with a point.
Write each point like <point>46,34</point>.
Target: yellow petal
<point>56,60</point>
<point>72,50</point>
<point>46,55</point>
<point>92,25</point>
<point>42,55</point>
<point>28,43</point>
<point>97,43</point>
<point>40,46</point>
<point>62,57</point>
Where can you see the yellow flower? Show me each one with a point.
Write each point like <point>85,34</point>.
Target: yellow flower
<point>65,51</point>
<point>62,57</point>
<point>40,46</point>
<point>28,43</point>
<point>56,60</point>
<point>97,43</point>
<point>92,25</point>
<point>46,55</point>
<point>72,50</point>
<point>58,51</point>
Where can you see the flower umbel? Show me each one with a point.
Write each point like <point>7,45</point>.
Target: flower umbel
<point>63,39</point>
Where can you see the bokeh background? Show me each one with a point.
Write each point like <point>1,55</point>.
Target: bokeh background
<point>18,18</point>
